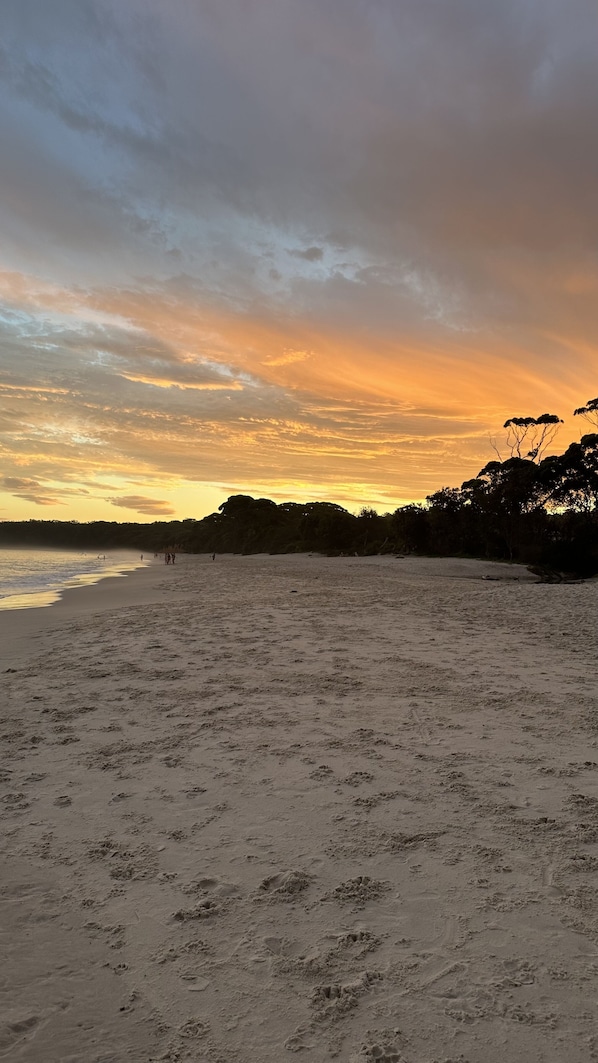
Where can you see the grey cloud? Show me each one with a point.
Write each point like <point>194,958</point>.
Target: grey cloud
<point>17,483</point>
<point>34,487</point>
<point>43,353</point>
<point>311,254</point>
<point>29,490</point>
<point>39,500</point>
<point>148,506</point>
<point>432,130</point>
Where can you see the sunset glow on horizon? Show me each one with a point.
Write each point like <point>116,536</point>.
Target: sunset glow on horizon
<point>302,251</point>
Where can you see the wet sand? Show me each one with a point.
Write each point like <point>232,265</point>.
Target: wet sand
<point>341,808</point>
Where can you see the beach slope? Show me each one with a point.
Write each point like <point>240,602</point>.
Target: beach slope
<point>339,808</point>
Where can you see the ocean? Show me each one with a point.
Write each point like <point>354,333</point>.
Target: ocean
<point>33,579</point>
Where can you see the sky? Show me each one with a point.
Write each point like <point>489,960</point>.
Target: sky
<point>297,249</point>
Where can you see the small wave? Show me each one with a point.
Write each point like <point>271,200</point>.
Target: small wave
<point>37,578</point>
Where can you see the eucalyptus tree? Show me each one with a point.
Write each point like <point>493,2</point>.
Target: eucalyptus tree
<point>573,476</point>
<point>589,411</point>
<point>531,434</point>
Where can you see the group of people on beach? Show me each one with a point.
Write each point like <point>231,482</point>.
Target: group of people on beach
<point>169,559</point>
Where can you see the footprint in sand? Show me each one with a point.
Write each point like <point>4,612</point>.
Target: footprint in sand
<point>194,1028</point>
<point>377,1054</point>
<point>203,910</point>
<point>356,778</point>
<point>217,888</point>
<point>284,886</point>
<point>358,891</point>
<point>321,772</point>
<point>382,1046</point>
<point>334,1000</point>
<point>301,1039</point>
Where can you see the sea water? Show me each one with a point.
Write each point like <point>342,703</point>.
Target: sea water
<point>31,579</point>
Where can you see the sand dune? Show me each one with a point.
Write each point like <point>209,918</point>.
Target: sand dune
<point>326,808</point>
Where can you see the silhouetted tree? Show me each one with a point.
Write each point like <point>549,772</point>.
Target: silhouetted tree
<point>249,523</point>
<point>454,521</point>
<point>531,434</point>
<point>373,531</point>
<point>573,476</point>
<point>411,529</point>
<point>328,528</point>
<point>589,411</point>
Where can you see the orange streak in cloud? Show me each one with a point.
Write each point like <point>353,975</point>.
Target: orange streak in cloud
<point>36,390</point>
<point>162,382</point>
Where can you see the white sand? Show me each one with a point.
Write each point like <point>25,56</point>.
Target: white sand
<point>345,808</point>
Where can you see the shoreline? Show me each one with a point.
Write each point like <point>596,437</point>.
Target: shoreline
<point>144,584</point>
<point>44,596</point>
<point>17,626</point>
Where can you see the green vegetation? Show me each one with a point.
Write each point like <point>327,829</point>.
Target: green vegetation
<point>539,511</point>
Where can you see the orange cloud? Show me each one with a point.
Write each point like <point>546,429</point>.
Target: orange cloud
<point>288,357</point>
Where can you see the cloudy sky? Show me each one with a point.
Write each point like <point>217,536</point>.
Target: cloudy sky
<point>306,249</point>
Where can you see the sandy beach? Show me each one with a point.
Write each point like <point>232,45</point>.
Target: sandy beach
<point>300,807</point>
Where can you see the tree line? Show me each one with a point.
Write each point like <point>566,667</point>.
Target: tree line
<point>530,507</point>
